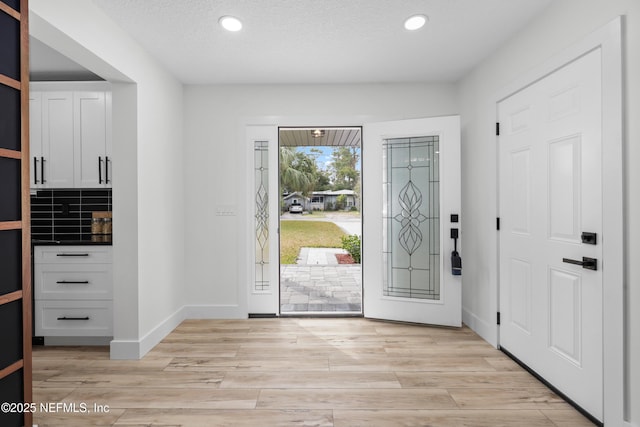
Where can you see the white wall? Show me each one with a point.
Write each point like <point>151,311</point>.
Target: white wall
<point>148,167</point>
<point>564,23</point>
<point>214,118</point>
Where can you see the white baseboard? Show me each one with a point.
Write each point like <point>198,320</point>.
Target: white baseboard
<point>88,341</point>
<point>214,312</point>
<point>136,349</point>
<point>485,329</point>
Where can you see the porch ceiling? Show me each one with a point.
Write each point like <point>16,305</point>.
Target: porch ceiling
<point>332,137</point>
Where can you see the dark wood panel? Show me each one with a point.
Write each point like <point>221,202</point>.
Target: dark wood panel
<point>12,390</point>
<point>13,4</point>
<point>11,338</point>
<point>9,118</point>
<point>10,46</point>
<point>10,261</point>
<point>10,190</point>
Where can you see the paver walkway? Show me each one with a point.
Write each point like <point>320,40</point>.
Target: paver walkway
<point>321,288</point>
<point>318,284</point>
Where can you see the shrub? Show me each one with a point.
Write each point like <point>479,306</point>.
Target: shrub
<point>352,245</point>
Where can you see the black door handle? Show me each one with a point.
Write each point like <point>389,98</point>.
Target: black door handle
<point>588,263</point>
<point>73,318</point>
<point>99,169</point>
<point>73,282</point>
<point>106,169</point>
<point>35,170</point>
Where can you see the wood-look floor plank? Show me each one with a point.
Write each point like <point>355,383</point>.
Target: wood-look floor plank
<point>209,350</point>
<point>393,364</point>
<point>439,418</point>
<point>218,364</point>
<point>355,399</point>
<point>45,394</point>
<point>566,418</point>
<point>227,418</point>
<point>89,419</point>
<point>299,380</point>
<point>131,397</point>
<point>164,379</point>
<point>514,398</point>
<point>449,380</point>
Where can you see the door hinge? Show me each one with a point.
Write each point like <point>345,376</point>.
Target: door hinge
<point>497,128</point>
<point>498,223</point>
<point>498,318</point>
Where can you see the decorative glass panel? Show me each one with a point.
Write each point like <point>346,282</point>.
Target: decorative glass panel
<point>261,176</point>
<point>411,218</point>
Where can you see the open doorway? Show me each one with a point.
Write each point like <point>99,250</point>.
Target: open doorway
<point>320,221</point>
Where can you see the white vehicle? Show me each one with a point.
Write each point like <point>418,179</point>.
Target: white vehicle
<point>295,208</point>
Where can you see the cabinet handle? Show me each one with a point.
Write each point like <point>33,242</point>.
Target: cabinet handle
<point>73,282</point>
<point>73,318</point>
<point>42,180</point>
<point>99,169</point>
<point>63,254</point>
<point>106,169</point>
<point>35,170</point>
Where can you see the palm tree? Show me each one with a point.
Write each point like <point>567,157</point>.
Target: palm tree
<point>292,179</point>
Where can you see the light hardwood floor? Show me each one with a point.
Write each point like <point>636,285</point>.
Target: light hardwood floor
<point>298,372</point>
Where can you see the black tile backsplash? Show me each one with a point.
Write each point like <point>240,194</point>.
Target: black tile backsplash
<point>65,214</point>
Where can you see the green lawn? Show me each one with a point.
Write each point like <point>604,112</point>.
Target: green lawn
<point>311,234</point>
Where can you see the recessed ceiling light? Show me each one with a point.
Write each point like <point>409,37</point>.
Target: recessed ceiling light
<point>230,23</point>
<point>415,22</point>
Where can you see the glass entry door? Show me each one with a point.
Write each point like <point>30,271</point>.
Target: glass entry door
<point>411,176</point>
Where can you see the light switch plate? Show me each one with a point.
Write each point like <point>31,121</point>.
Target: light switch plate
<point>226,210</point>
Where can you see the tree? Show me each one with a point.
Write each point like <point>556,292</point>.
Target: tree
<point>344,168</point>
<point>298,171</point>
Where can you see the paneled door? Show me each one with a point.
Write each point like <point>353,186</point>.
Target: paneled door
<point>411,190</point>
<point>551,257</point>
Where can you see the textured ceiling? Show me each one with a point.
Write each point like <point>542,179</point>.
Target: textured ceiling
<point>320,41</point>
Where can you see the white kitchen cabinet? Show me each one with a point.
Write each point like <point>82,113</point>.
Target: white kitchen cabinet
<point>51,139</point>
<point>70,135</point>
<point>92,139</point>
<point>73,291</point>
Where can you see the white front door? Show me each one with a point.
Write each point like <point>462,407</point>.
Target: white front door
<point>411,189</point>
<point>551,257</point>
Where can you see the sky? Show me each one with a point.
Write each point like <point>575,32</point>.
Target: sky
<point>324,159</point>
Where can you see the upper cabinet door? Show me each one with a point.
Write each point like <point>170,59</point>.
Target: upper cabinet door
<point>57,140</point>
<point>35,138</point>
<point>92,163</point>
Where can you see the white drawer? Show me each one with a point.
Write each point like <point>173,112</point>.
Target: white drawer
<point>74,318</point>
<point>72,254</point>
<point>73,281</point>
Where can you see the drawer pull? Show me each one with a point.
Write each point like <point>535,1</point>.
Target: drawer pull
<point>63,254</point>
<point>73,318</point>
<point>73,282</point>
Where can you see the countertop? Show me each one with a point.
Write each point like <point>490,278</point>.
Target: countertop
<point>89,241</point>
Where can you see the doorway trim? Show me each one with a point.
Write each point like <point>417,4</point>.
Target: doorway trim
<point>266,128</point>
<point>332,137</point>
<point>609,40</point>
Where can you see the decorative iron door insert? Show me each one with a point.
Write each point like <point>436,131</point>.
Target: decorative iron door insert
<point>411,218</point>
<point>261,176</point>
